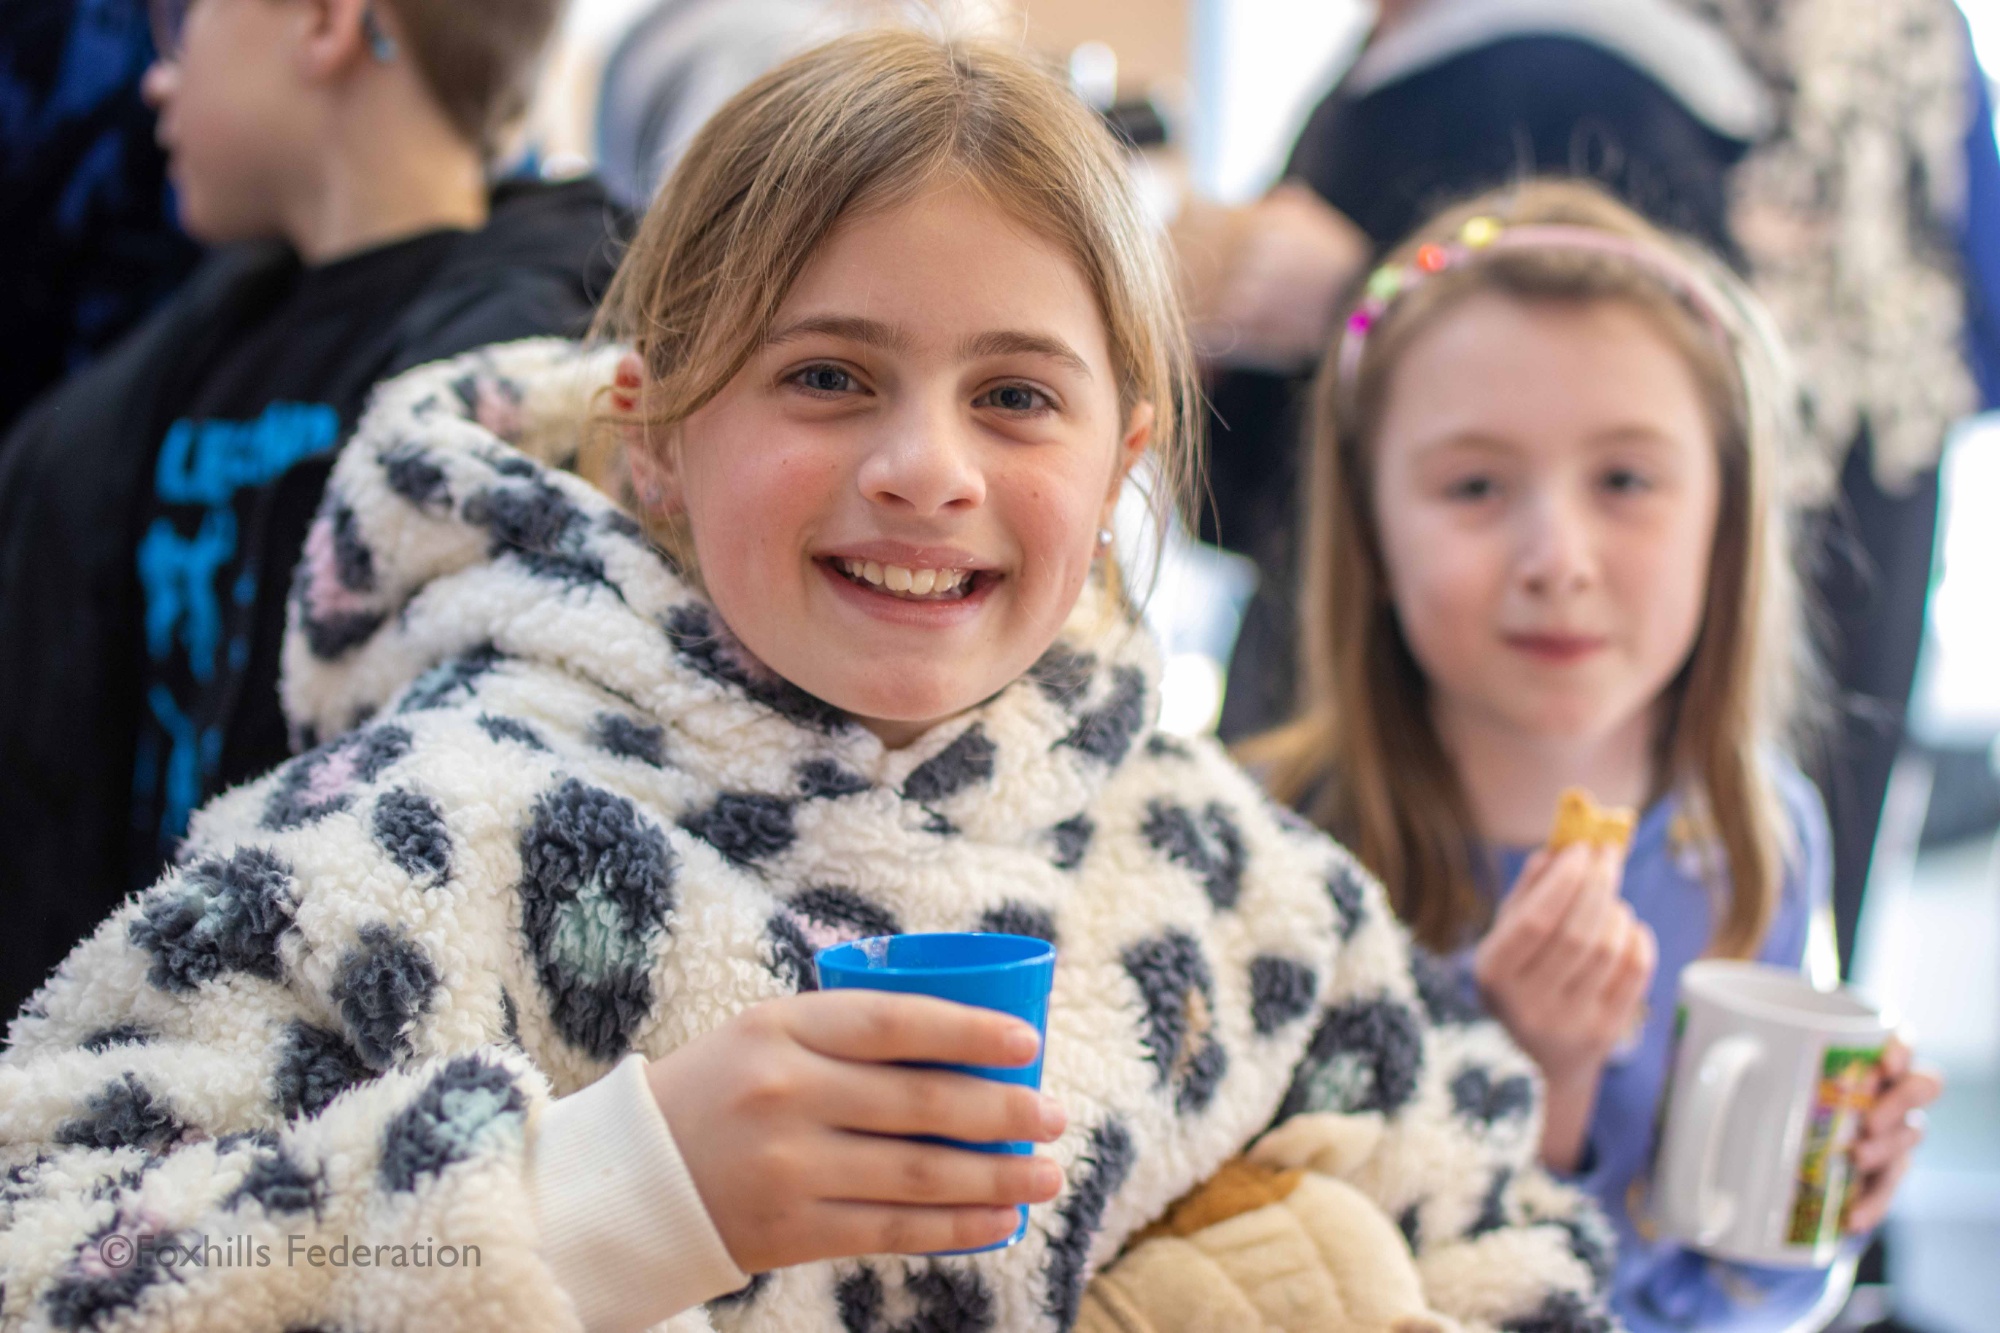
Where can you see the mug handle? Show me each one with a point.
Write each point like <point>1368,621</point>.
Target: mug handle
<point>1707,1110</point>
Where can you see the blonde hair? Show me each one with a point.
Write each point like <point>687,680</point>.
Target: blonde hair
<point>868,121</point>
<point>1364,755</point>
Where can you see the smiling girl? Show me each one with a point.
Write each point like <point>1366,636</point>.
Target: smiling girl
<point>1548,551</point>
<point>510,965</point>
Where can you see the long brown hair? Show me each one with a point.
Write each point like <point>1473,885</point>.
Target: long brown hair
<point>1364,757</point>
<point>867,121</point>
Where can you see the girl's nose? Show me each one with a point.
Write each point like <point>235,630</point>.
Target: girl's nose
<point>158,83</point>
<point>1558,554</point>
<point>925,466</point>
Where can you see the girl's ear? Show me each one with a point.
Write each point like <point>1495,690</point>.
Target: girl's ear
<point>1138,436</point>
<point>655,479</point>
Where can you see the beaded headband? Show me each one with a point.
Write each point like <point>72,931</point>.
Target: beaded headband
<point>1481,235</point>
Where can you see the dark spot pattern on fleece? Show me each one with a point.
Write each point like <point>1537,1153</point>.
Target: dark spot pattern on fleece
<point>791,959</point>
<point>1561,1312</point>
<point>1364,1056</point>
<point>1591,1241</point>
<point>691,629</point>
<point>466,1106</point>
<point>280,1185</point>
<point>1483,1101</point>
<point>1072,841</point>
<point>314,1066</point>
<point>823,779</point>
<point>353,562</point>
<point>540,527</point>
<point>413,474</point>
<point>1098,1174</point>
<point>846,911</point>
<point>1106,732</point>
<point>1446,993</point>
<point>1063,674</point>
<point>501,730</point>
<point>1281,991</point>
<point>628,738</point>
<point>1410,1223</point>
<point>1492,1206</point>
<point>967,760</point>
<point>411,831</point>
<point>227,914</point>
<point>1178,992</point>
<point>118,1034</point>
<point>384,984</point>
<point>1012,918</point>
<point>124,1113</point>
<point>859,1297</point>
<point>91,1293</point>
<point>745,827</point>
<point>331,635</point>
<point>942,1300</point>
<point>450,681</point>
<point>1350,903</point>
<point>322,782</point>
<point>597,886</point>
<point>510,1017</point>
<point>1211,846</point>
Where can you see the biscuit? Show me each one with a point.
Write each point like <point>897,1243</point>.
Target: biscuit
<point>1580,819</point>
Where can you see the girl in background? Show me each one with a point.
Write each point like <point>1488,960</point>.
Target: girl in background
<point>1547,550</point>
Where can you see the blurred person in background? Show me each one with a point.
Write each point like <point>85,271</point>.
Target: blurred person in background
<point>1840,152</point>
<point>1447,98</point>
<point>152,508</point>
<point>88,242</point>
<point>680,60</point>
<point>1870,223</point>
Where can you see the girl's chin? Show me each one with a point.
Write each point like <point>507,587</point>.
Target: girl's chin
<point>900,716</point>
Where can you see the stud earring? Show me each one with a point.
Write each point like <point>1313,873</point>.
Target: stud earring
<point>1104,539</point>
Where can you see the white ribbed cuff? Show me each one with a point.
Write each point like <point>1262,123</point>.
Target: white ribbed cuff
<point>621,1224</point>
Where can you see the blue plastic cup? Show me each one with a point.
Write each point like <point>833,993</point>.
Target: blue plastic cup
<point>1010,973</point>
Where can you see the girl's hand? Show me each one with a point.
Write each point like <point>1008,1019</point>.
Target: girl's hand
<point>1565,969</point>
<point>782,1115</point>
<point>1890,1132</point>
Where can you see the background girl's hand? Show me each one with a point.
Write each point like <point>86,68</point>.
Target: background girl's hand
<point>1890,1132</point>
<point>1565,969</point>
<point>782,1115</point>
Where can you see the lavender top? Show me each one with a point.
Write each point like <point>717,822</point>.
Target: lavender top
<point>1659,1285</point>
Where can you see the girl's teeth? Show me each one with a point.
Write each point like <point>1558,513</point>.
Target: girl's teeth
<point>898,579</point>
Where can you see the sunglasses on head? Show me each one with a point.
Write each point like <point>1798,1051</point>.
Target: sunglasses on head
<point>169,17</point>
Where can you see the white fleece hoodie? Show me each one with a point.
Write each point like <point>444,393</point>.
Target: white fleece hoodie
<point>557,819</point>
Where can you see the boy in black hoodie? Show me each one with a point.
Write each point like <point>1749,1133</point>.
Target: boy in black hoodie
<point>152,508</point>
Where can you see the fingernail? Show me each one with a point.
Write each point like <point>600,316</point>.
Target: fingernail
<point>1054,1118</point>
<point>1046,1176</point>
<point>1022,1043</point>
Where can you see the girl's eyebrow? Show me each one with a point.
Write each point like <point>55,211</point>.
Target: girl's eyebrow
<point>852,328</point>
<point>889,337</point>
<point>1013,342</point>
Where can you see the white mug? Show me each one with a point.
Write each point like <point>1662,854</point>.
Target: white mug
<point>1769,1083</point>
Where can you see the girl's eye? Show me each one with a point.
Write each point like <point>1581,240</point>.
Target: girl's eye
<point>1472,489</point>
<point>1016,398</point>
<point>824,380</point>
<point>1626,481</point>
